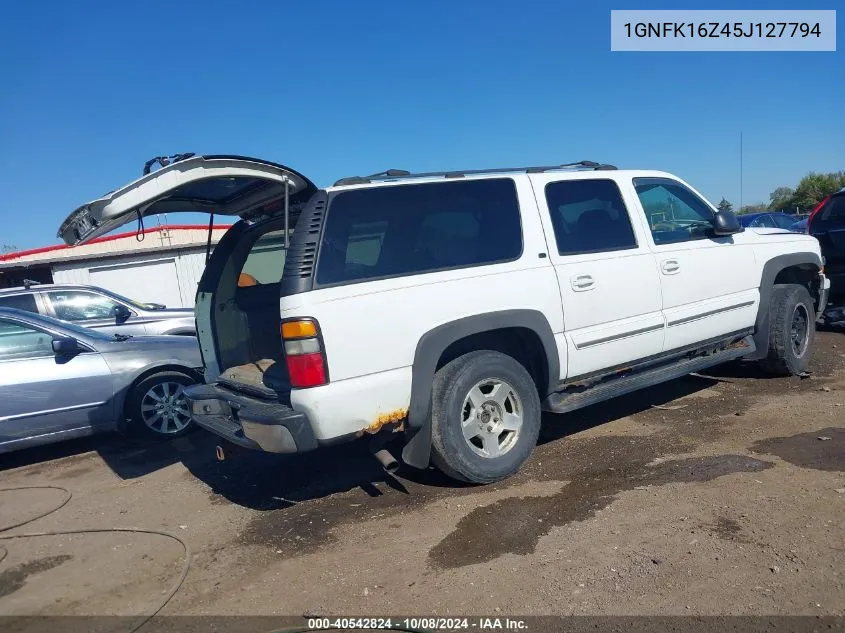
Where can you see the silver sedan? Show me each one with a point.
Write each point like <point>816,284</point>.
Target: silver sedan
<point>59,381</point>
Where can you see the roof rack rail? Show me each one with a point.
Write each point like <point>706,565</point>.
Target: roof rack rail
<point>359,180</point>
<point>401,173</point>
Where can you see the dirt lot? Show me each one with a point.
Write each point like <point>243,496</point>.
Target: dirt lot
<point>718,494</point>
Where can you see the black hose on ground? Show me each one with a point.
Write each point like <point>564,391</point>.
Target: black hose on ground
<point>8,537</point>
<point>174,588</point>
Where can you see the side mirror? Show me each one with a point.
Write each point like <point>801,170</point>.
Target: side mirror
<point>121,313</point>
<point>726,223</point>
<point>66,346</point>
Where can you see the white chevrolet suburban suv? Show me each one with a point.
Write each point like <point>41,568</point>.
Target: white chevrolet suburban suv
<point>451,309</point>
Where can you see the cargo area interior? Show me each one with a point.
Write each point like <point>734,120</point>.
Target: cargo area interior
<point>245,317</point>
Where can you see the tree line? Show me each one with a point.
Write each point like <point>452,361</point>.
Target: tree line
<point>811,190</point>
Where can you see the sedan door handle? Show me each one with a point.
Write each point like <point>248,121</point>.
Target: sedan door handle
<point>582,282</point>
<point>670,266</point>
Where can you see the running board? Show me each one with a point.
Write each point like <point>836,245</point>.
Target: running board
<point>563,401</point>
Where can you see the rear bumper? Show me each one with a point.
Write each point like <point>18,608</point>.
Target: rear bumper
<point>249,422</point>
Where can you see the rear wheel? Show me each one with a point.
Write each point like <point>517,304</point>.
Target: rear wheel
<point>792,330</point>
<point>156,407</point>
<point>485,417</point>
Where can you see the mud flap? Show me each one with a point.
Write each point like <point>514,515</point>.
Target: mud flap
<point>417,451</point>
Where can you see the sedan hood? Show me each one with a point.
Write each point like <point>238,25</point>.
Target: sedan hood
<point>174,312</point>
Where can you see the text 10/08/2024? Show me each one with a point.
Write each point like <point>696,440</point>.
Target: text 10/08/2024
<point>419,624</point>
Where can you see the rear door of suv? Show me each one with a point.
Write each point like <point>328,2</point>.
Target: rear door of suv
<point>218,184</point>
<point>215,184</point>
<point>608,282</point>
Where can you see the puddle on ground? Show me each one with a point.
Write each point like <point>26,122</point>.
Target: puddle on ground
<point>294,528</point>
<point>515,525</point>
<point>14,578</point>
<point>819,450</point>
<point>302,500</point>
<point>729,530</point>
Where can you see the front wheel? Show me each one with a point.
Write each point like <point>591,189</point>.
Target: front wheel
<point>156,406</point>
<point>792,330</point>
<point>485,417</point>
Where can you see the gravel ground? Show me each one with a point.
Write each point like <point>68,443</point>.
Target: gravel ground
<point>714,494</point>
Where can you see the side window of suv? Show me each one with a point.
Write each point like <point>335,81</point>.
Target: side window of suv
<point>409,229</point>
<point>265,262</point>
<point>832,213</point>
<point>20,302</point>
<point>79,305</point>
<point>589,216</point>
<point>674,213</point>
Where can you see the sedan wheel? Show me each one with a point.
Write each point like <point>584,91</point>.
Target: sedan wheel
<point>156,406</point>
<point>164,410</point>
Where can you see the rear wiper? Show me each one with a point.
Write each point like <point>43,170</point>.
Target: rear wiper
<point>122,337</point>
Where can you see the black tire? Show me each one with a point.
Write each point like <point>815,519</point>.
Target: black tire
<point>790,348</point>
<point>135,401</point>
<point>450,451</point>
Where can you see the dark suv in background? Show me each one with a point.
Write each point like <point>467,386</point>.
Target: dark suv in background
<point>827,224</point>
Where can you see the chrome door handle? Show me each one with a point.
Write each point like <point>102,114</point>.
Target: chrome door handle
<point>670,266</point>
<point>582,282</point>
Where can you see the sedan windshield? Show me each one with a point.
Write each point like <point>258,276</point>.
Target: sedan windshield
<point>70,329</point>
<point>132,302</point>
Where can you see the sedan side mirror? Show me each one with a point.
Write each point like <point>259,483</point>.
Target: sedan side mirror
<point>66,346</point>
<point>121,313</point>
<point>726,223</point>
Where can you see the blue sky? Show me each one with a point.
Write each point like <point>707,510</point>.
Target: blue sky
<point>92,89</point>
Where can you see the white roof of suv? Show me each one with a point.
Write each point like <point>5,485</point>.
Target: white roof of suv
<point>583,169</point>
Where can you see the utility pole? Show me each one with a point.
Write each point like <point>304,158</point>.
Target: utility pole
<point>740,171</point>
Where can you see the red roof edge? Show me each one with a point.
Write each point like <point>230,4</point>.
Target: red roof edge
<point>108,238</point>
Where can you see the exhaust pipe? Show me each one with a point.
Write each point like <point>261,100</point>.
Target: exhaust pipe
<point>227,451</point>
<point>387,461</point>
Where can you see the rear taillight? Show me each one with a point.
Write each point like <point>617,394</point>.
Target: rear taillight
<point>304,353</point>
<point>817,208</point>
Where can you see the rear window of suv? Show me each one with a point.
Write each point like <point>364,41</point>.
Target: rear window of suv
<point>400,230</point>
<point>832,213</point>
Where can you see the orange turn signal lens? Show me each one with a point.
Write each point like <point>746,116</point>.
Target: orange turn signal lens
<point>298,329</point>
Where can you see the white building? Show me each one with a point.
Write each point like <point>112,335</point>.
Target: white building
<point>160,265</point>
